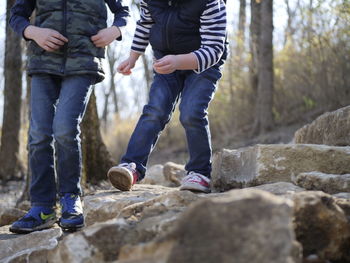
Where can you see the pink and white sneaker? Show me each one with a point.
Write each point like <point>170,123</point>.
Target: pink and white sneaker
<point>196,182</point>
<point>123,176</point>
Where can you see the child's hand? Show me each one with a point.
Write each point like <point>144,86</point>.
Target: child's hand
<point>106,36</point>
<point>46,38</point>
<point>166,65</point>
<point>126,66</point>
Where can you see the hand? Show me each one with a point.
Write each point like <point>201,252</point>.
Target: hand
<point>106,36</point>
<point>126,66</point>
<point>166,65</point>
<point>46,38</point>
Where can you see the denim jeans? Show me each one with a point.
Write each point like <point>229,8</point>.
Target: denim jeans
<point>195,92</point>
<point>57,108</point>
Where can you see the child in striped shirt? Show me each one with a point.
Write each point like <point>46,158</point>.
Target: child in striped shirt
<point>188,42</point>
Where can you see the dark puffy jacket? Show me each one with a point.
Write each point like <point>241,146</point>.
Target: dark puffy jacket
<point>177,24</point>
<point>77,20</point>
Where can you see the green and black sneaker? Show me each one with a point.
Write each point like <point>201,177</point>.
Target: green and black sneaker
<point>38,218</point>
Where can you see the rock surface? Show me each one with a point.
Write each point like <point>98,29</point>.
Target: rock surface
<point>244,225</point>
<point>9,215</point>
<point>329,183</point>
<point>136,223</point>
<point>174,173</point>
<point>279,188</point>
<point>154,175</point>
<point>332,128</point>
<point>27,248</point>
<point>321,226</point>
<point>264,164</point>
<point>105,205</point>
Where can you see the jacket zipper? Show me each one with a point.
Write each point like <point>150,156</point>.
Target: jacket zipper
<point>167,28</point>
<point>64,31</point>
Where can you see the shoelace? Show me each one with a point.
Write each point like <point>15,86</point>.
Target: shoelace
<point>131,166</point>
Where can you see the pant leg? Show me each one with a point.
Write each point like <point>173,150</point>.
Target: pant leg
<point>44,94</point>
<point>197,93</point>
<point>73,100</point>
<point>156,114</point>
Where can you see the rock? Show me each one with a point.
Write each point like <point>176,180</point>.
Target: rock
<point>24,205</point>
<point>244,225</point>
<point>280,188</point>
<point>331,128</point>
<point>97,243</point>
<point>329,183</point>
<point>154,175</point>
<point>106,205</point>
<point>264,164</point>
<point>321,226</point>
<point>34,246</point>
<point>8,216</point>
<point>137,223</point>
<point>174,173</point>
<point>344,204</point>
<point>342,195</point>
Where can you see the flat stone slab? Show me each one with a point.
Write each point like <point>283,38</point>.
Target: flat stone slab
<point>279,188</point>
<point>262,164</point>
<point>14,246</point>
<point>329,183</point>
<point>105,205</point>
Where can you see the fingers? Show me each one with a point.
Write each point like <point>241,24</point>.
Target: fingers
<point>124,68</point>
<point>56,41</point>
<point>48,48</point>
<point>57,35</point>
<point>52,45</point>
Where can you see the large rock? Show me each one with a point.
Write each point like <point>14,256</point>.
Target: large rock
<point>137,223</point>
<point>9,215</point>
<point>321,226</point>
<point>154,175</point>
<point>264,164</point>
<point>106,205</point>
<point>27,248</point>
<point>331,128</point>
<point>174,173</point>
<point>329,183</point>
<point>242,226</point>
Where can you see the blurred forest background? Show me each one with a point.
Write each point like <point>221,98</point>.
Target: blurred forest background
<point>289,62</point>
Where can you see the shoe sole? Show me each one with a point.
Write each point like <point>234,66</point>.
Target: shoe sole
<point>120,178</point>
<point>47,225</point>
<point>195,187</point>
<point>71,228</point>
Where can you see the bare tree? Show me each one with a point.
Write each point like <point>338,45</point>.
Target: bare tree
<point>264,116</point>
<point>9,150</point>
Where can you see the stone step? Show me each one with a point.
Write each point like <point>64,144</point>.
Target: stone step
<point>262,164</point>
<point>331,128</point>
<point>329,183</point>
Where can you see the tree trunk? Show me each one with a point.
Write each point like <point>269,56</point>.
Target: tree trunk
<point>10,164</point>
<point>241,31</point>
<point>264,116</point>
<point>96,158</point>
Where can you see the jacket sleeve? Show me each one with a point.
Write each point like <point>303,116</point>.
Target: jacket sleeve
<point>143,28</point>
<point>213,34</point>
<point>20,15</point>
<point>121,14</point>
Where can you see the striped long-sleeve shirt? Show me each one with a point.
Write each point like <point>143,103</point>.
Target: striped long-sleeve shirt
<point>212,32</point>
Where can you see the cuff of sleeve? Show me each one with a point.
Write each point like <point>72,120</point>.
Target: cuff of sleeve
<point>200,67</point>
<point>138,50</point>
<point>22,30</point>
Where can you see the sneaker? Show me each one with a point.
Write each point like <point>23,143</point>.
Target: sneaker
<point>37,218</point>
<point>195,182</point>
<point>72,217</point>
<point>123,176</point>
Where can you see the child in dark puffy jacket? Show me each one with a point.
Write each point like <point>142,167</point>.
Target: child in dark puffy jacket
<point>66,49</point>
<point>188,42</point>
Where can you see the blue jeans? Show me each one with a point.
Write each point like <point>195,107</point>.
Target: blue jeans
<point>195,91</point>
<point>57,108</point>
